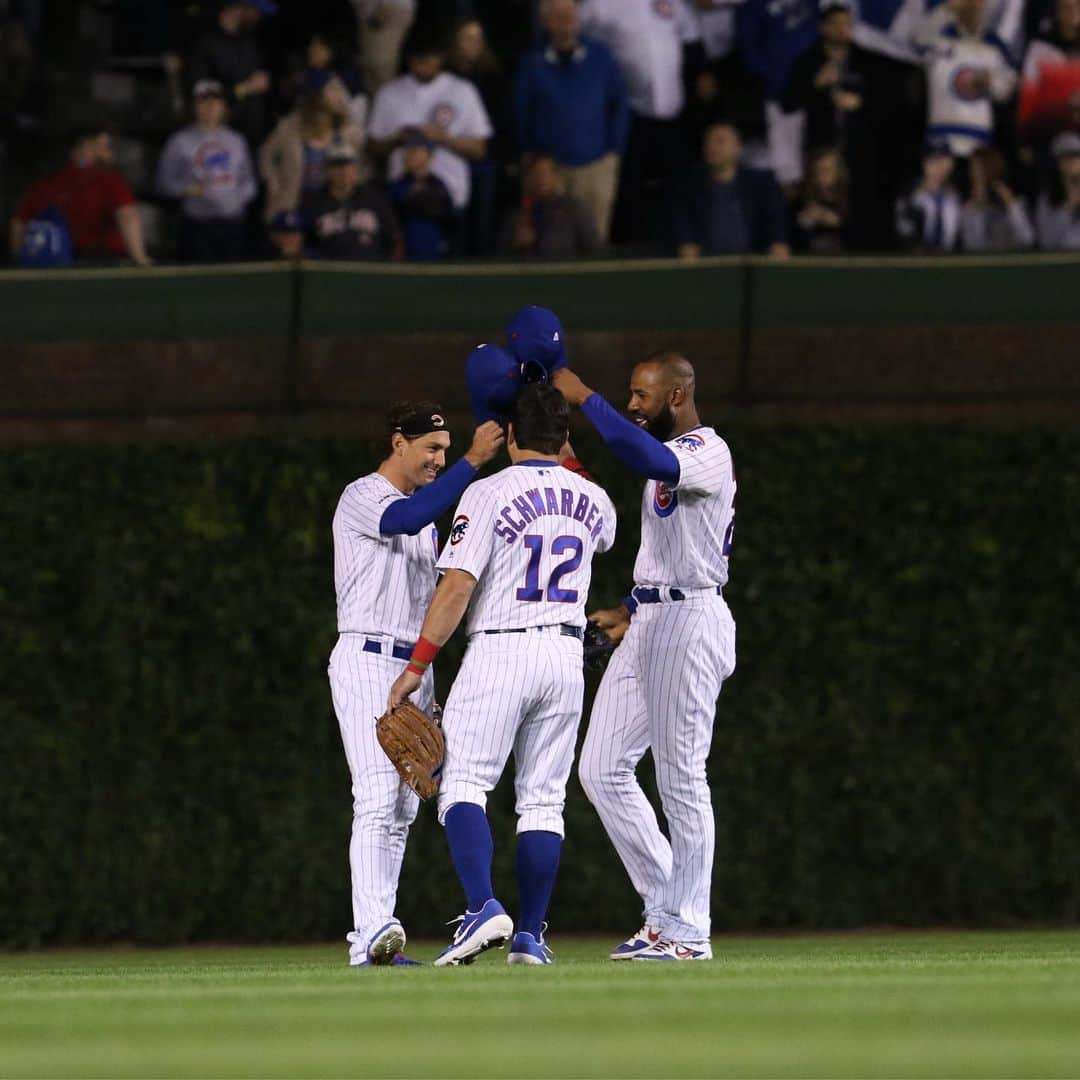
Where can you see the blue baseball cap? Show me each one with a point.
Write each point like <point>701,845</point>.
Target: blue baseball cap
<point>535,336</point>
<point>493,376</point>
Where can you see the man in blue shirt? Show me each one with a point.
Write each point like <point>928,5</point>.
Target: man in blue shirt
<point>571,103</point>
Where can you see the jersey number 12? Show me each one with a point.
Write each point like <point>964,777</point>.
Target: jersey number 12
<point>561,545</point>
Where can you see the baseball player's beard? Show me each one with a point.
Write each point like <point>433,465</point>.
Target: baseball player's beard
<point>662,424</point>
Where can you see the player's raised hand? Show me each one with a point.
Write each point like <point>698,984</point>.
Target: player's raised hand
<point>613,621</point>
<point>570,386</point>
<point>404,685</point>
<point>486,441</point>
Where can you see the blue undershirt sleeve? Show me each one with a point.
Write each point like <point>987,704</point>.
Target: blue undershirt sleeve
<point>630,444</point>
<point>410,515</point>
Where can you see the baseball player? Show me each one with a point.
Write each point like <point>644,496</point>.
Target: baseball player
<point>385,547</point>
<point>520,559</point>
<point>677,646</point>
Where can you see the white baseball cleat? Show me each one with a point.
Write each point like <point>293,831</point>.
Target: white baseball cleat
<point>637,943</point>
<point>676,950</point>
<point>386,943</point>
<point>479,931</point>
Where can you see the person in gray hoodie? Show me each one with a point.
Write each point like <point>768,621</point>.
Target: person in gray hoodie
<point>207,166</point>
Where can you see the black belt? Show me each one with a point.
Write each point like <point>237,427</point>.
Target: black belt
<point>402,650</point>
<point>566,629</point>
<point>645,595</point>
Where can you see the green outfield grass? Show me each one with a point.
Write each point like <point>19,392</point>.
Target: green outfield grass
<point>907,1004</point>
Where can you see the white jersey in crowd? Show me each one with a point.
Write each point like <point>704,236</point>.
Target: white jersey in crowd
<point>960,113</point>
<point>686,530</point>
<point>528,535</point>
<point>450,103</point>
<point>647,38</point>
<point>383,583</point>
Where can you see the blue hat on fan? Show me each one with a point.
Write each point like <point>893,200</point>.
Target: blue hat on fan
<point>493,376</point>
<point>535,336</point>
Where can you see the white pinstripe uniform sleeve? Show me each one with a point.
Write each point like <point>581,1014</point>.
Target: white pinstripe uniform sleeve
<point>471,535</point>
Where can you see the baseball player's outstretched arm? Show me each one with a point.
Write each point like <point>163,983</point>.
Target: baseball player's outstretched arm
<point>410,515</point>
<point>447,608</point>
<point>632,446</point>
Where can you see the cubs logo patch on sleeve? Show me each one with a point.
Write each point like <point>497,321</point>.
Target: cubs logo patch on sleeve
<point>459,528</point>
<point>690,441</point>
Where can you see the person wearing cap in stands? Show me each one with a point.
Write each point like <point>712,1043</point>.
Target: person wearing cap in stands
<point>444,107</point>
<point>208,168</point>
<point>285,236</point>
<point>230,53</point>
<point>1059,219</point>
<point>423,204</point>
<point>348,219</point>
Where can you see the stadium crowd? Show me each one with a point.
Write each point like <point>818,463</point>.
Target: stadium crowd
<point>391,129</point>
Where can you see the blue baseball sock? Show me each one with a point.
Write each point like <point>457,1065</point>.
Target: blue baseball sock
<point>537,864</point>
<point>471,849</point>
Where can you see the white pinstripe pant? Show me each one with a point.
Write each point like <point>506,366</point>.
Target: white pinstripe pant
<point>517,693</point>
<point>383,806</point>
<point>659,692</point>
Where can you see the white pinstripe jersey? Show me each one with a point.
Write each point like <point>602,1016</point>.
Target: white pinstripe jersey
<point>686,529</point>
<point>528,535</point>
<point>383,583</point>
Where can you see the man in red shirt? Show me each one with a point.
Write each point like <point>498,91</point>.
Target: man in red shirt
<point>95,200</point>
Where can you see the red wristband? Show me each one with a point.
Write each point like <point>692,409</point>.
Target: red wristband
<point>422,655</point>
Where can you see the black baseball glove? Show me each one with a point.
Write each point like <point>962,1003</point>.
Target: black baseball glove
<point>598,647</point>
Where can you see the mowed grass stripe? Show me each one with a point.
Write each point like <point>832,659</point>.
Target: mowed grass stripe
<point>870,1005</point>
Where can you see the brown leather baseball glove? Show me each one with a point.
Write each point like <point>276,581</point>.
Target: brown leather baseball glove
<point>415,745</point>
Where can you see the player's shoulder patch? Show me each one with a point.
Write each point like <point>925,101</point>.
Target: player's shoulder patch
<point>459,529</point>
<point>692,442</point>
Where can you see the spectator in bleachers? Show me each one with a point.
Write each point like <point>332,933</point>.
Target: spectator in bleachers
<point>725,86</point>
<point>571,103</point>
<point>994,217</point>
<point>471,58</point>
<point>822,216</point>
<point>967,71</point>
<point>771,34</point>
<point>348,219</point>
<point>207,167</point>
<point>231,54</point>
<point>444,107</point>
<point>323,61</point>
<point>292,161</point>
<point>928,216</point>
<point>1050,96</point>
<point>384,25</point>
<point>89,201</point>
<point>830,81</point>
<point>657,46</point>
<point>1059,218</point>
<point>1050,91</point>
<point>837,86</point>
<point>423,204</point>
<point>725,208</point>
<point>548,224</point>
<point>285,234</point>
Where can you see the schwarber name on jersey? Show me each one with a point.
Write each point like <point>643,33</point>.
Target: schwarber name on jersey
<point>686,529</point>
<point>528,534</point>
<point>383,583</point>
